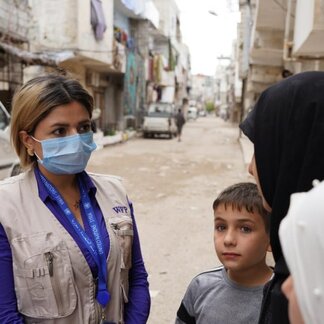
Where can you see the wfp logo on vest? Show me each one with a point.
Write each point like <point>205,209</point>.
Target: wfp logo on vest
<point>120,209</point>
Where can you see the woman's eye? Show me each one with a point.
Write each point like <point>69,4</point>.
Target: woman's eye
<point>246,229</point>
<point>59,131</point>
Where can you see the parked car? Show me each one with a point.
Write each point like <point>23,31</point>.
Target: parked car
<point>160,120</point>
<point>192,113</point>
<point>202,113</point>
<point>9,162</point>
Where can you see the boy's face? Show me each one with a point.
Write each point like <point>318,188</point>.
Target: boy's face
<point>240,239</point>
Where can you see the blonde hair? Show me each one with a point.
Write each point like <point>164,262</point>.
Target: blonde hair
<point>35,100</point>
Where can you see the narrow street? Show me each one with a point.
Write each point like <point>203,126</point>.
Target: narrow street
<point>173,185</point>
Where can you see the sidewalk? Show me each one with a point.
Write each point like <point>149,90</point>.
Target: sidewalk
<point>247,148</point>
<point>119,137</point>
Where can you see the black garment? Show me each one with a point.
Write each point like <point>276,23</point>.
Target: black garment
<point>274,307</point>
<point>180,121</point>
<point>287,129</point>
<point>247,126</point>
<point>183,314</point>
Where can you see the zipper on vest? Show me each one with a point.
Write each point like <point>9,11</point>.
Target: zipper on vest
<point>103,316</point>
<point>97,311</point>
<point>49,256</point>
<point>49,259</point>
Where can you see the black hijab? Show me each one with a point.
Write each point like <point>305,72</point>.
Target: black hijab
<point>287,129</point>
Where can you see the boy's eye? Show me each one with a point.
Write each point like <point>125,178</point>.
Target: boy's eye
<point>220,228</point>
<point>246,229</point>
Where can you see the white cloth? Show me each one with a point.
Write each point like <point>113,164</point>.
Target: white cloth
<point>302,239</point>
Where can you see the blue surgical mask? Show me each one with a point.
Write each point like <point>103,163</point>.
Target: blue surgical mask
<point>67,155</point>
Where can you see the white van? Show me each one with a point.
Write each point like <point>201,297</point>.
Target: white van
<point>9,162</point>
<point>192,113</point>
<point>160,120</point>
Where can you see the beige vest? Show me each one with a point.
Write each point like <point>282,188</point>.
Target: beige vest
<point>39,243</point>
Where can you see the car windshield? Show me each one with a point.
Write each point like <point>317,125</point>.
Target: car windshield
<point>158,109</point>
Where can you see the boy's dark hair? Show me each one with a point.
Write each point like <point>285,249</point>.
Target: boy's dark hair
<point>243,195</point>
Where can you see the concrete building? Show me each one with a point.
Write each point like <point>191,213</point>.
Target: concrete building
<point>229,87</point>
<point>14,44</point>
<point>224,89</point>
<point>129,38</point>
<point>171,59</point>
<point>182,74</point>
<point>204,89</point>
<point>80,38</point>
<point>157,58</point>
<point>277,39</point>
<point>126,53</point>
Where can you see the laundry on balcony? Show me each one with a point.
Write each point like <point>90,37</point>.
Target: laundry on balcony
<point>98,21</point>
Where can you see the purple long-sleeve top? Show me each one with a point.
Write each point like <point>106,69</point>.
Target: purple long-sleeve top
<point>138,307</point>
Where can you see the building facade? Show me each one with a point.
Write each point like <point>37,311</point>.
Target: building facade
<point>277,39</point>
<point>14,44</point>
<point>126,53</point>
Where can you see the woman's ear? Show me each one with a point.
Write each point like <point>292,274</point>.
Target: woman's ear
<point>269,249</point>
<point>27,141</point>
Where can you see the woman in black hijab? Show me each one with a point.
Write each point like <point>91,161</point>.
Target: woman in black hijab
<point>286,127</point>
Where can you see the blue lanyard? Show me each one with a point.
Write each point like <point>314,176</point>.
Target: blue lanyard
<point>97,249</point>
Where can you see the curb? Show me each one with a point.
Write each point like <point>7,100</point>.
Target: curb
<point>119,137</point>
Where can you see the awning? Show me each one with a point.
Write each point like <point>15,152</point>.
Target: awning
<point>29,58</point>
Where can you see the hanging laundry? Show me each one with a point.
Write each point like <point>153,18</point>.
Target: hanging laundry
<point>98,21</point>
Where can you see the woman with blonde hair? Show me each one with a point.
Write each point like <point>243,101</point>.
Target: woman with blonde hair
<point>70,250</point>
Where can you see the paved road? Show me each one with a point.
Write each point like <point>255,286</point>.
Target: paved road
<point>173,185</point>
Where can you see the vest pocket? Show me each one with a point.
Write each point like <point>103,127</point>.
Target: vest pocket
<point>123,228</point>
<point>43,278</point>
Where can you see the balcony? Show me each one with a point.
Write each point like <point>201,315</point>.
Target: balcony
<point>268,33</point>
<point>270,15</point>
<point>309,29</point>
<point>70,29</point>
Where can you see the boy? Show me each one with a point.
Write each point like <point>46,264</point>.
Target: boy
<point>233,292</point>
